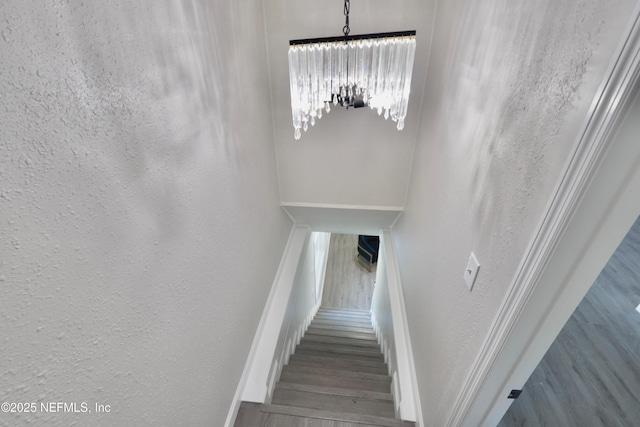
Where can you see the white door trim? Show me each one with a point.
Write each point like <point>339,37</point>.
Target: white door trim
<point>501,361</point>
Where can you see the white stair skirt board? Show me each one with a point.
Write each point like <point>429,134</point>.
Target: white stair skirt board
<point>388,315</point>
<point>593,206</point>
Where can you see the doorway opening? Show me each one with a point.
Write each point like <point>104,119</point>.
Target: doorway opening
<point>347,284</point>
<point>591,372</point>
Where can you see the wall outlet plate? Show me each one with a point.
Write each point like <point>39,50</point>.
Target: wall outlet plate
<point>471,272</point>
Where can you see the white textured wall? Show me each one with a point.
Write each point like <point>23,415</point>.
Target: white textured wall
<point>139,222</point>
<point>508,85</point>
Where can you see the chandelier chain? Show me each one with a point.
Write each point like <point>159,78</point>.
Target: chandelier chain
<point>346,28</point>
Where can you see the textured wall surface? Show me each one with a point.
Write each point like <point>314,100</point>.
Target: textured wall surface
<point>509,84</point>
<point>137,183</point>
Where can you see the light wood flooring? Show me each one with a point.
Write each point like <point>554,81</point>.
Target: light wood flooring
<point>590,375</point>
<point>347,284</point>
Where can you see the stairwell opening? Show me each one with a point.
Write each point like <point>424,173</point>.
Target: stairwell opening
<point>347,284</point>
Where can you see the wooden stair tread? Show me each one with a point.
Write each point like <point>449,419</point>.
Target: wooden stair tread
<point>339,355</point>
<point>339,348</point>
<point>336,416</point>
<point>332,321</point>
<point>332,402</point>
<point>355,342</point>
<point>351,311</point>
<point>343,382</point>
<point>341,333</point>
<point>343,327</point>
<point>337,372</point>
<point>372,395</point>
<point>321,364</point>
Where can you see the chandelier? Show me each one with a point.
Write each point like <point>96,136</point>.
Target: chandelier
<point>350,71</point>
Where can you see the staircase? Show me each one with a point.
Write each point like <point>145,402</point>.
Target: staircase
<point>336,378</point>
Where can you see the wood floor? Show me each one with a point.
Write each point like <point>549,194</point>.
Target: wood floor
<point>337,377</point>
<point>347,284</point>
<point>590,375</point>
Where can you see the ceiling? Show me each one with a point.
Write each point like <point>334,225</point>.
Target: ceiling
<point>349,157</point>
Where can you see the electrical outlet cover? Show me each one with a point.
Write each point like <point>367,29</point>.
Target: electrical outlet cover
<point>471,272</point>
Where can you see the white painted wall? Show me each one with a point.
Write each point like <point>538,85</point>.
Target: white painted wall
<point>140,227</point>
<point>349,157</point>
<point>507,88</point>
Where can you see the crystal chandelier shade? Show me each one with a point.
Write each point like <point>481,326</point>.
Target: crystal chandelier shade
<point>352,71</point>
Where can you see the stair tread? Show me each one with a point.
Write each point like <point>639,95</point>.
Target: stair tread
<point>343,327</point>
<point>335,416</point>
<point>344,311</point>
<point>249,415</point>
<point>338,381</point>
<point>355,342</point>
<point>333,321</point>
<point>330,353</point>
<point>372,395</point>
<point>366,373</point>
<point>334,360</point>
<point>339,348</point>
<point>340,333</point>
<point>342,366</point>
<point>332,402</point>
<point>324,377</point>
